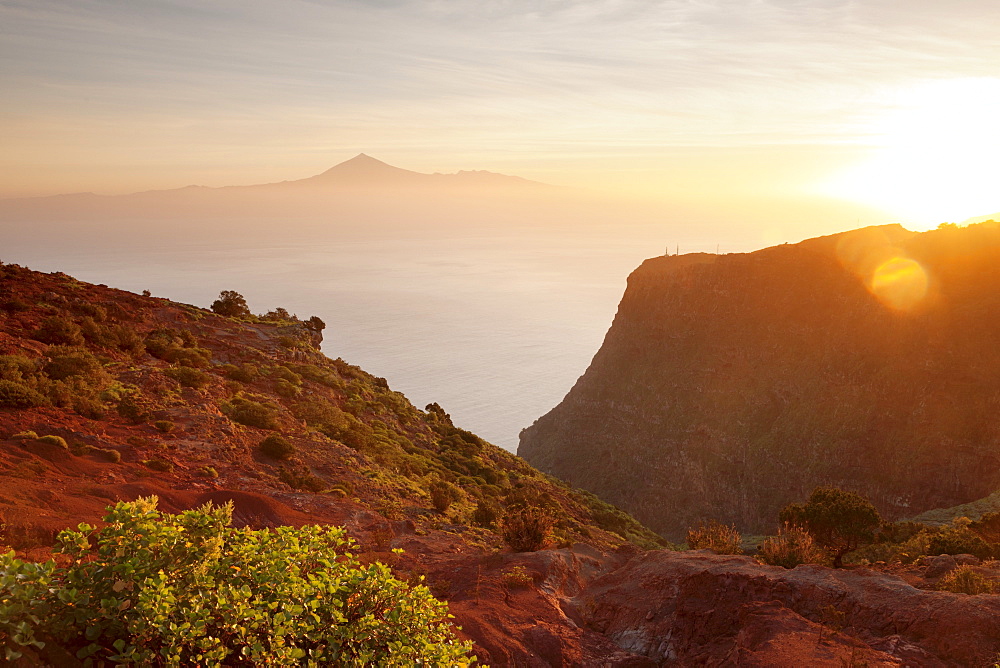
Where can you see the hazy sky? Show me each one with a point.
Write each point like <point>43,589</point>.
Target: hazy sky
<point>677,98</point>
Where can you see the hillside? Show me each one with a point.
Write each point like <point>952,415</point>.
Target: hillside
<point>108,395</point>
<point>729,386</point>
<point>153,397</point>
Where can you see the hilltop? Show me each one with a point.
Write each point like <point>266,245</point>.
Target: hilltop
<point>729,386</point>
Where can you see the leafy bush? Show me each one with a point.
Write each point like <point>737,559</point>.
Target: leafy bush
<point>110,454</point>
<point>486,514</point>
<point>966,580</point>
<point>792,547</point>
<point>838,520</point>
<point>166,426</point>
<point>244,373</point>
<point>189,377</point>
<point>526,528</point>
<point>277,446</point>
<point>208,472</point>
<point>443,494</point>
<point>88,408</point>
<point>251,413</point>
<point>719,538</point>
<point>988,527</point>
<point>132,407</point>
<point>301,478</point>
<point>958,538</point>
<point>159,589</point>
<point>72,362</point>
<point>517,577</point>
<point>58,330</point>
<point>57,441</point>
<point>231,304</point>
<point>18,395</point>
<point>158,465</point>
<point>286,389</point>
<point>177,347</point>
<point>24,436</point>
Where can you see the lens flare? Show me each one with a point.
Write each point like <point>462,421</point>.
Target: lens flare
<point>899,283</point>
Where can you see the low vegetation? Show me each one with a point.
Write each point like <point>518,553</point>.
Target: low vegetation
<point>159,589</point>
<point>840,521</point>
<point>719,538</point>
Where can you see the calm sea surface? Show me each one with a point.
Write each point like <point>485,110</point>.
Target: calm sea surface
<point>494,326</point>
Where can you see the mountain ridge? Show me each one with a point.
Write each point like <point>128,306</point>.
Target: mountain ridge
<point>360,171</point>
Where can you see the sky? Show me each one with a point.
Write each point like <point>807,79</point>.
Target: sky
<point>878,102</point>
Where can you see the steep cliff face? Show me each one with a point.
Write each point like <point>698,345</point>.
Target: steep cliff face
<point>731,385</point>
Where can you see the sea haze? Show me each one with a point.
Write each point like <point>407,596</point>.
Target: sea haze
<point>490,305</point>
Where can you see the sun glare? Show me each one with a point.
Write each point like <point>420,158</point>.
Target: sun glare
<point>899,282</point>
<point>938,155</point>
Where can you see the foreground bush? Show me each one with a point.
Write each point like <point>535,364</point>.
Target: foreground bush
<point>793,546</point>
<point>158,589</point>
<point>719,538</point>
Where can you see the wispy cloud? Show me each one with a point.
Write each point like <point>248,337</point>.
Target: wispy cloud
<point>235,76</point>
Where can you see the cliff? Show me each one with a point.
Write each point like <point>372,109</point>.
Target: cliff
<point>729,386</point>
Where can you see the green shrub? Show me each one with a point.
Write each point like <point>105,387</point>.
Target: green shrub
<point>277,446</point>
<point>231,304</point>
<point>166,426</point>
<point>18,395</point>
<point>486,514</point>
<point>158,465</point>
<point>443,494</point>
<point>301,478</point>
<point>526,528</point>
<point>17,367</point>
<point>286,389</point>
<point>517,577</point>
<point>244,373</point>
<point>792,547</point>
<point>69,362</point>
<point>838,520</point>
<point>58,330</point>
<point>24,436</point>
<point>719,538</point>
<point>966,580</point>
<point>208,472</point>
<point>958,538</point>
<point>251,413</point>
<point>284,373</point>
<point>88,408</point>
<point>57,441</point>
<point>159,589</point>
<point>110,454</point>
<point>14,305</point>
<point>177,347</point>
<point>188,376</point>
<point>132,407</point>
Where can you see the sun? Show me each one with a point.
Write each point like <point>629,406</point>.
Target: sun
<point>936,156</point>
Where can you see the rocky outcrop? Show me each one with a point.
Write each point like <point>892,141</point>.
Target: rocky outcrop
<point>695,608</point>
<point>662,608</point>
<point>729,386</point>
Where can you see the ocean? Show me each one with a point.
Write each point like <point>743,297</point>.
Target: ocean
<point>495,325</point>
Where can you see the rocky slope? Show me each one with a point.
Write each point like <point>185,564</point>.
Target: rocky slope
<point>729,386</point>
